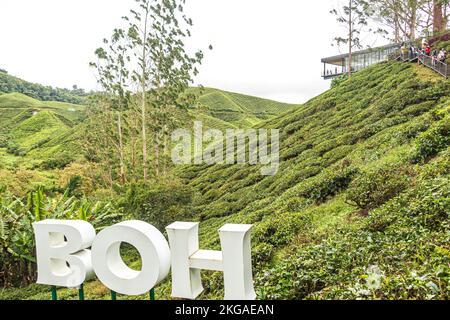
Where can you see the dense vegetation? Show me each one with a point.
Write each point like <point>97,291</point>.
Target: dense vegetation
<point>16,234</point>
<point>40,140</point>
<point>359,208</point>
<point>11,84</point>
<point>241,111</point>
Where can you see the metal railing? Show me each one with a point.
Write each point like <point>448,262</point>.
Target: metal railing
<point>433,63</point>
<point>428,61</point>
<point>341,71</point>
<point>405,57</point>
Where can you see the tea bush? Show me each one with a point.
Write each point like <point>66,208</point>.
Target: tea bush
<point>434,140</point>
<point>374,187</point>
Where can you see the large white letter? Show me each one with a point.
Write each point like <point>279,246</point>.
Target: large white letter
<point>62,258</point>
<point>114,273</point>
<point>234,261</point>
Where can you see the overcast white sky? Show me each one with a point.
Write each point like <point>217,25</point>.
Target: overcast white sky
<point>266,48</point>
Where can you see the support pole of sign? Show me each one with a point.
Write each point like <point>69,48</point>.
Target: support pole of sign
<point>152,294</point>
<point>113,295</point>
<point>54,294</point>
<point>81,292</point>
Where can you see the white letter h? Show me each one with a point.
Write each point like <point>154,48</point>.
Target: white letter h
<point>234,261</point>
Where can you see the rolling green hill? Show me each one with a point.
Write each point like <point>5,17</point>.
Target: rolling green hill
<point>33,131</point>
<point>219,107</point>
<point>360,206</point>
<point>39,138</point>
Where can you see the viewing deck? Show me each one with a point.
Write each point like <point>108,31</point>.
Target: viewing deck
<point>338,65</point>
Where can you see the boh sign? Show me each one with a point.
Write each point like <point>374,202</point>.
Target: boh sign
<point>70,252</point>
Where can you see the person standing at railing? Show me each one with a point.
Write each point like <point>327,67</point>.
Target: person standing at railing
<point>442,56</point>
<point>411,53</point>
<point>434,57</point>
<point>428,50</point>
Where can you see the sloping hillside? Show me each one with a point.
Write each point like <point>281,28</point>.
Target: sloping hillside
<point>361,203</point>
<point>241,111</point>
<point>29,129</point>
<point>37,136</point>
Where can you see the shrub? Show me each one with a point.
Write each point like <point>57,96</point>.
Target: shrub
<point>14,149</point>
<point>338,80</point>
<point>327,184</point>
<point>59,162</point>
<point>158,205</point>
<point>3,141</point>
<point>372,188</point>
<point>409,254</point>
<point>433,141</point>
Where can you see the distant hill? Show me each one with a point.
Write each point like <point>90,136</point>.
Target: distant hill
<point>221,108</point>
<point>43,134</point>
<point>11,84</point>
<point>33,131</point>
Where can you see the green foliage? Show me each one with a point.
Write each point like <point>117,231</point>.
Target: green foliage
<point>159,205</point>
<point>374,187</point>
<point>16,234</point>
<point>237,109</point>
<point>60,161</point>
<point>433,141</point>
<point>39,134</point>
<point>345,151</point>
<point>327,185</point>
<point>338,80</point>
<point>10,84</point>
<point>406,256</point>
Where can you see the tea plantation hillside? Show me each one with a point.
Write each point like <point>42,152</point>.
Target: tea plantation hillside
<point>359,208</point>
<point>33,131</point>
<point>239,110</point>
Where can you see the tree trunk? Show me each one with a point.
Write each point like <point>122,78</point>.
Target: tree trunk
<point>121,151</point>
<point>438,18</point>
<point>134,144</point>
<point>156,150</point>
<point>144,100</point>
<point>397,28</point>
<point>413,23</point>
<point>144,133</point>
<point>166,150</point>
<point>350,40</point>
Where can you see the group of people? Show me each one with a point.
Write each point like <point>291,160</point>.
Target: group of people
<point>424,50</point>
<point>337,71</point>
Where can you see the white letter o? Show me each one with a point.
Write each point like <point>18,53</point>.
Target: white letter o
<point>112,270</point>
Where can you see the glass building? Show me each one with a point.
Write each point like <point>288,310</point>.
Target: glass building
<point>338,65</point>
